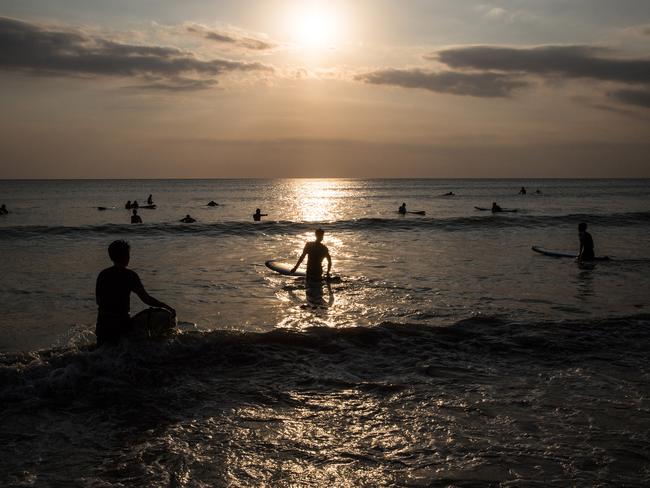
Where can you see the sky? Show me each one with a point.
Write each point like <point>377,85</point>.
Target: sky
<point>309,88</point>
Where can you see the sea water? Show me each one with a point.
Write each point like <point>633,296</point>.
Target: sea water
<point>451,352</point>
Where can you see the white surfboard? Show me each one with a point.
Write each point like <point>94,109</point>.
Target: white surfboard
<point>556,254</point>
<point>282,268</point>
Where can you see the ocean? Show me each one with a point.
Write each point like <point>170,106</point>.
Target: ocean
<point>451,354</point>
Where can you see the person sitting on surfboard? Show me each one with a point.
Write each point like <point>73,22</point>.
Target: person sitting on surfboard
<point>496,208</point>
<point>257,216</point>
<point>315,251</point>
<point>3,210</point>
<point>150,200</point>
<point>128,205</point>
<point>113,296</point>
<point>135,218</point>
<point>522,191</point>
<point>586,252</point>
<point>402,209</point>
<point>212,203</point>
<point>188,220</point>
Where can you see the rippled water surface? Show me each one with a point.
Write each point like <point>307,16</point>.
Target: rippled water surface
<point>451,354</point>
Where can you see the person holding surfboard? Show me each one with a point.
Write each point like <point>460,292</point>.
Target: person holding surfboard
<point>315,251</point>
<point>586,252</point>
<point>113,296</point>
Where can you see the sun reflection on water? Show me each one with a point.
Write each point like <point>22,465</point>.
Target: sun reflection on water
<point>317,200</point>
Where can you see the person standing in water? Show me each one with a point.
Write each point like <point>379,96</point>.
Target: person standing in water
<point>402,209</point>
<point>586,252</point>
<point>315,251</point>
<point>257,216</point>
<point>3,210</point>
<point>150,200</point>
<point>135,218</point>
<point>113,296</point>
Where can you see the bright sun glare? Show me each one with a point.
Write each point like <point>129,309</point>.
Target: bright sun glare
<point>316,26</point>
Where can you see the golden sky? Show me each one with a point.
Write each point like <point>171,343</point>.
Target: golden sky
<point>280,88</point>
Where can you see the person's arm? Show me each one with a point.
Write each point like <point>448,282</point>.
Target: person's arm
<point>149,300</point>
<point>302,256</point>
<point>582,249</point>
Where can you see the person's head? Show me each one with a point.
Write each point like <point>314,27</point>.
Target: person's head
<point>320,233</point>
<point>582,227</point>
<point>258,211</point>
<point>188,216</point>
<point>120,252</point>
<point>403,204</point>
<point>494,204</point>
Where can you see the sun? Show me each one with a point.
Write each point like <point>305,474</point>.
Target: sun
<point>315,26</point>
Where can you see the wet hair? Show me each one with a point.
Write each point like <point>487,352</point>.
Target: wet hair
<point>320,232</point>
<point>582,226</point>
<point>118,250</point>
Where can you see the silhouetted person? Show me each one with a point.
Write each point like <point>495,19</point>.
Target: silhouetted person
<point>135,204</point>
<point>128,205</point>
<point>496,208</point>
<point>3,210</point>
<point>257,216</point>
<point>538,191</point>
<point>586,244</point>
<point>150,200</point>
<point>402,209</point>
<point>522,191</point>
<point>135,218</point>
<point>315,251</point>
<point>212,203</point>
<point>113,295</point>
<point>449,194</point>
<point>188,220</point>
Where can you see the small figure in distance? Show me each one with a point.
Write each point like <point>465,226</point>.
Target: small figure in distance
<point>135,204</point>
<point>538,191</point>
<point>150,200</point>
<point>135,218</point>
<point>496,208</point>
<point>3,210</point>
<point>586,252</point>
<point>449,194</point>
<point>212,203</point>
<point>113,295</point>
<point>188,220</point>
<point>402,209</point>
<point>128,205</point>
<point>257,216</point>
<point>522,191</point>
<point>315,251</point>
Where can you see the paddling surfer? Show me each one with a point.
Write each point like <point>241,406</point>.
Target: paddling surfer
<point>257,216</point>
<point>113,296</point>
<point>586,252</point>
<point>315,251</point>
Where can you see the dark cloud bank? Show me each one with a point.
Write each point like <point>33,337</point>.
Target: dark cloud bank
<point>496,71</point>
<point>31,48</point>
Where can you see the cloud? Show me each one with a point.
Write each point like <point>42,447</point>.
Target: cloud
<point>471,84</point>
<point>35,49</point>
<point>639,98</point>
<point>565,61</point>
<point>232,38</point>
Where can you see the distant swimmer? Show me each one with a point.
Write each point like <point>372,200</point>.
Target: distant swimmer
<point>188,220</point>
<point>135,218</point>
<point>315,251</point>
<point>3,210</point>
<point>257,216</point>
<point>586,252</point>
<point>402,209</point>
<point>496,208</point>
<point>522,191</point>
<point>113,295</point>
<point>128,205</point>
<point>449,194</point>
<point>212,203</point>
<point>538,191</point>
<point>150,200</point>
<point>135,204</point>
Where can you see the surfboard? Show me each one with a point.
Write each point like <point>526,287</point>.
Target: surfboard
<point>418,212</point>
<point>282,268</point>
<point>564,254</point>
<point>483,209</point>
<point>152,322</point>
<point>150,207</point>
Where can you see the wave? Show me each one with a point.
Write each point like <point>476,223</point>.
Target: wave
<point>484,221</point>
<point>282,355</point>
